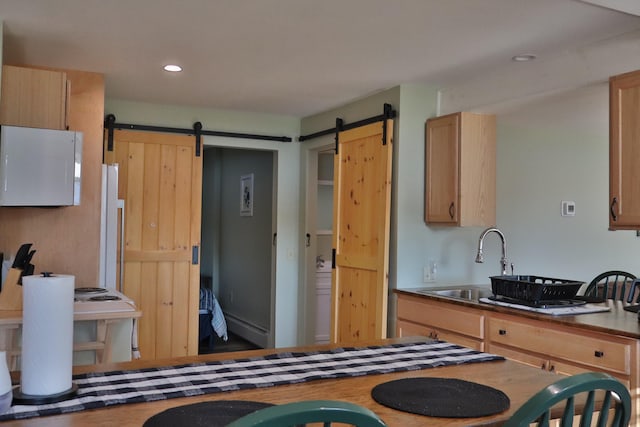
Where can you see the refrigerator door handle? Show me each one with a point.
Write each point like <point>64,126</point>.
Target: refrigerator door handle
<point>121,269</point>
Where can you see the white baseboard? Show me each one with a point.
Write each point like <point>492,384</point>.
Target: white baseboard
<point>247,330</point>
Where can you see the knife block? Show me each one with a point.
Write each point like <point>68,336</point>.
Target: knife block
<point>11,294</point>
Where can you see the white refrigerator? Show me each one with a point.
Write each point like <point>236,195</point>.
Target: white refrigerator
<point>123,333</point>
<point>111,230</point>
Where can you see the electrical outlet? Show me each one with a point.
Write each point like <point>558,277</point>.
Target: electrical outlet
<point>426,274</point>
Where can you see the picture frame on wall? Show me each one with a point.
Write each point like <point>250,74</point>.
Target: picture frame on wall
<point>246,195</point>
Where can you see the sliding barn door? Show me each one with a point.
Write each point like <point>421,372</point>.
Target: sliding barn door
<point>361,217</point>
<point>160,179</point>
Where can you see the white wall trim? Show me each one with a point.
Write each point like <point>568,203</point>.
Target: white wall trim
<point>247,330</point>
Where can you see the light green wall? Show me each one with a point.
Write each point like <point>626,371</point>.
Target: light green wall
<point>549,149</point>
<point>245,262</point>
<point>552,150</point>
<point>288,176</point>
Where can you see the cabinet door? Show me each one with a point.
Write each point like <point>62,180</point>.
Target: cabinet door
<point>441,169</point>
<point>624,151</point>
<point>409,329</point>
<point>33,98</point>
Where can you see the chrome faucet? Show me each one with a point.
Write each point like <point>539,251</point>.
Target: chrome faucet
<point>503,260</point>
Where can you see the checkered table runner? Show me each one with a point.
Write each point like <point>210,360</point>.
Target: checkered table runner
<point>98,390</point>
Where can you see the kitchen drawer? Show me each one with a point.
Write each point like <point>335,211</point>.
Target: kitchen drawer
<point>534,360</point>
<point>455,318</point>
<point>592,350</point>
<point>409,329</point>
<point>564,368</point>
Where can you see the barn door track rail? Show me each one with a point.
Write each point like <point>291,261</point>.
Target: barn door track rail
<point>388,113</point>
<point>110,124</point>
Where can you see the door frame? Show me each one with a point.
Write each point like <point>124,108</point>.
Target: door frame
<point>308,293</point>
<point>217,142</point>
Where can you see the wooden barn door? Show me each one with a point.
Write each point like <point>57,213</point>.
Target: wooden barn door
<point>160,179</point>
<point>361,218</point>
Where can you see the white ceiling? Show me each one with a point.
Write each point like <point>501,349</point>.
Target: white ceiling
<point>300,57</point>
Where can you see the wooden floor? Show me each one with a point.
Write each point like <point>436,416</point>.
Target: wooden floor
<point>234,343</point>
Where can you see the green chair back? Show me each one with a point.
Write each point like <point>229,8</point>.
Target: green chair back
<point>310,411</point>
<point>594,386</point>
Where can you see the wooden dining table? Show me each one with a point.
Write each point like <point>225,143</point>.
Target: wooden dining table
<point>518,381</point>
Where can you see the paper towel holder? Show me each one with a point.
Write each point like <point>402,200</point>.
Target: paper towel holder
<point>20,398</point>
<point>52,287</point>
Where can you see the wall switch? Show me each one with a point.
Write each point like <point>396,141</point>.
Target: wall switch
<point>568,208</point>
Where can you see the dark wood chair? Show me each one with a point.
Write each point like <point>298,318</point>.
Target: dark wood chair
<point>616,285</point>
<point>591,394</point>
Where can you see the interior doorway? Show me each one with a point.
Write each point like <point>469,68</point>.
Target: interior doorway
<point>319,220</point>
<point>238,257</point>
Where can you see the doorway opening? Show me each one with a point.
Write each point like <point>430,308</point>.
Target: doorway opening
<point>237,244</point>
<point>320,242</point>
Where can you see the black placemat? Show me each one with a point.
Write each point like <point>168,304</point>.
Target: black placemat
<point>441,397</point>
<point>632,308</point>
<point>216,413</point>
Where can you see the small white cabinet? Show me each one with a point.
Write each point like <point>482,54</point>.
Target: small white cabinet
<point>323,304</point>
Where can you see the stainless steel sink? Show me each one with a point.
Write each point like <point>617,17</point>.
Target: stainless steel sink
<point>469,294</point>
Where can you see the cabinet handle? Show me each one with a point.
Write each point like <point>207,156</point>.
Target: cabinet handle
<point>543,366</point>
<point>452,210</point>
<point>552,368</point>
<point>614,202</point>
<point>598,353</point>
<point>502,332</point>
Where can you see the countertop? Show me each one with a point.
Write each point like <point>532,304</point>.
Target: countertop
<point>615,321</point>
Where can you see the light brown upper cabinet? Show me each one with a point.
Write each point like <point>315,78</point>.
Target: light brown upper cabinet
<point>460,170</point>
<point>33,97</point>
<point>624,151</point>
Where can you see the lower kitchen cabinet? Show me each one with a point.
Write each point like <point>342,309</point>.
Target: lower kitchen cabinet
<point>418,316</point>
<point>560,349</point>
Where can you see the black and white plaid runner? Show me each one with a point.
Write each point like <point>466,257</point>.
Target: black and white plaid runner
<point>98,390</point>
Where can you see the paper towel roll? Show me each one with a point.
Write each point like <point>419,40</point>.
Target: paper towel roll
<point>47,334</point>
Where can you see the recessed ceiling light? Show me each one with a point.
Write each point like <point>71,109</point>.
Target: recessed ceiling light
<point>523,58</point>
<point>173,68</point>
